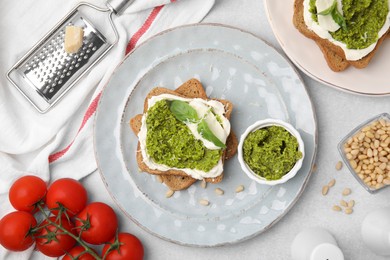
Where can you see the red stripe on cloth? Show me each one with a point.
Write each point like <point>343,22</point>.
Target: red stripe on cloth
<point>152,16</point>
<point>92,107</point>
<point>90,111</point>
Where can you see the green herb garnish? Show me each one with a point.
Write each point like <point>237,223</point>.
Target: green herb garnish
<point>206,133</point>
<point>336,15</point>
<point>183,111</point>
<point>187,114</point>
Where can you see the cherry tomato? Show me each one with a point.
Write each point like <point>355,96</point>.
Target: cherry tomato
<point>97,223</point>
<point>26,192</point>
<point>15,230</point>
<point>69,193</point>
<point>125,246</point>
<point>52,241</point>
<point>78,253</point>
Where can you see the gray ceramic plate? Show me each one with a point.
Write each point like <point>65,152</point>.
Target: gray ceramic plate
<point>233,65</point>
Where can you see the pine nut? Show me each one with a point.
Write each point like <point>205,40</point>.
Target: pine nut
<point>381,132</point>
<point>336,208</point>
<point>346,191</point>
<point>325,190</point>
<point>351,204</point>
<point>347,150</point>
<point>353,163</point>
<point>382,166</point>
<point>331,183</point>
<point>203,184</point>
<point>239,188</point>
<point>355,152</point>
<point>379,185</point>
<point>348,211</point>
<point>339,165</point>
<point>362,157</point>
<point>169,193</point>
<point>219,191</point>
<point>343,203</point>
<point>204,202</point>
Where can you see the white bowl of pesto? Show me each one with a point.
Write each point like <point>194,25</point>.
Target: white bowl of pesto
<point>271,151</point>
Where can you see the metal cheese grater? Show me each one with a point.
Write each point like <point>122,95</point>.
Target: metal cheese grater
<point>47,72</point>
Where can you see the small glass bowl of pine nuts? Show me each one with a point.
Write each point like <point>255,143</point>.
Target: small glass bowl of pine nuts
<point>366,152</point>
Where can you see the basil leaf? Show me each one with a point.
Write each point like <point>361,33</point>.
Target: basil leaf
<point>330,9</point>
<point>183,111</point>
<point>336,15</point>
<point>206,133</point>
<point>339,19</point>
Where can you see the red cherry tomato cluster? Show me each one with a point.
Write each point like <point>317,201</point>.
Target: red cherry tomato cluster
<point>70,224</point>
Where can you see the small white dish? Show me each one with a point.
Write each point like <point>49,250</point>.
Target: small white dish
<point>262,124</point>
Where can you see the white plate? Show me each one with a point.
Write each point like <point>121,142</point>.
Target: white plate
<point>231,64</point>
<point>372,80</point>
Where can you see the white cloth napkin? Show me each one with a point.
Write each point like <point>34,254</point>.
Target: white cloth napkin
<point>60,143</point>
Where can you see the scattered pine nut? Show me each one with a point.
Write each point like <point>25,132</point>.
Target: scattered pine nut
<point>331,183</point>
<point>159,179</point>
<point>204,202</point>
<point>239,188</point>
<point>343,203</point>
<point>203,184</point>
<point>346,191</point>
<point>348,211</point>
<point>169,193</point>
<point>336,208</point>
<point>351,203</point>
<point>339,165</point>
<point>325,190</point>
<point>219,191</point>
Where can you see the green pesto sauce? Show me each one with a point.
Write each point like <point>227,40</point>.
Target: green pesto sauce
<point>271,152</point>
<point>170,142</point>
<point>364,19</point>
<point>313,10</point>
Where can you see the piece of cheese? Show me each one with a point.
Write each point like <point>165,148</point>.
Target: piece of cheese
<point>326,21</point>
<point>73,39</point>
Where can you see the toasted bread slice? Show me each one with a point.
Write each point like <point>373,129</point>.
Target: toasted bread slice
<point>334,55</point>
<point>175,179</point>
<point>183,182</point>
<point>192,88</point>
<point>334,61</point>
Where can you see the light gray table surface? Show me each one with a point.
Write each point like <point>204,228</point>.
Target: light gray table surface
<point>337,113</point>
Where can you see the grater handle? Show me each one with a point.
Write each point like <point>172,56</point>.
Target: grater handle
<point>118,6</point>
